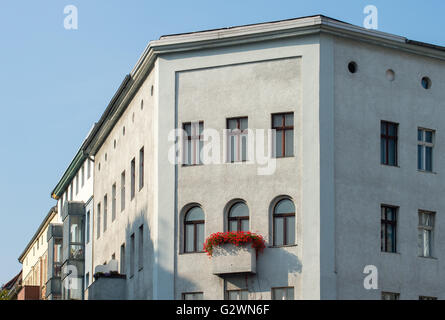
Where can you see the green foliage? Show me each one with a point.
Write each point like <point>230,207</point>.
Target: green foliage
<point>4,294</point>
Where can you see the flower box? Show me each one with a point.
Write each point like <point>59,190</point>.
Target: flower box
<point>228,258</point>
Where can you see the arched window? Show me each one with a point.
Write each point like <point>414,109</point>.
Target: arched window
<point>284,223</point>
<point>194,230</point>
<point>238,218</point>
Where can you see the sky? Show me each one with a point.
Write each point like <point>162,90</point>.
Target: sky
<point>55,83</point>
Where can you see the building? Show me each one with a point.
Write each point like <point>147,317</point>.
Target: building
<point>34,260</point>
<point>352,187</point>
<point>12,287</point>
<point>70,268</point>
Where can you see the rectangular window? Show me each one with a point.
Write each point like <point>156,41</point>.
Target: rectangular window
<point>82,174</point>
<point>237,139</point>
<point>283,124</point>
<point>193,143</point>
<point>425,145</point>
<point>132,253</point>
<point>388,143</point>
<point>98,220</point>
<point>113,202</point>
<point>237,295</point>
<point>71,191</point>
<point>192,296</point>
<point>133,178</point>
<point>388,233</point>
<point>87,280</point>
<point>122,264</point>
<point>77,183</point>
<point>141,248</point>
<point>426,233</point>
<point>87,229</point>
<point>141,168</point>
<point>390,296</point>
<point>123,191</point>
<point>105,212</point>
<point>286,293</point>
<point>88,168</point>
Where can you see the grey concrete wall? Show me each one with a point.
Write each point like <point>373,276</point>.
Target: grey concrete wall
<point>254,81</point>
<point>362,184</point>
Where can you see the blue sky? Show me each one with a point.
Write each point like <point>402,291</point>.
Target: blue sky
<point>55,83</point>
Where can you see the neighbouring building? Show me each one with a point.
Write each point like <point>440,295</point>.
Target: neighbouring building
<point>13,287</point>
<point>34,260</point>
<point>70,264</point>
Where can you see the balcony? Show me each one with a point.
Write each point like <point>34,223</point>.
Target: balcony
<point>230,259</point>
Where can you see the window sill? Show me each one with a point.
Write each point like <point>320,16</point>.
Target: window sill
<point>189,253</point>
<point>429,258</point>
<point>425,171</point>
<point>192,165</point>
<point>392,253</point>
<point>284,157</point>
<point>284,246</point>
<point>389,165</point>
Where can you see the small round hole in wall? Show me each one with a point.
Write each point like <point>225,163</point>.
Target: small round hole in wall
<point>352,67</point>
<point>390,75</point>
<point>426,83</point>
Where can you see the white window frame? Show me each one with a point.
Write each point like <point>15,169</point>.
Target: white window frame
<point>423,145</point>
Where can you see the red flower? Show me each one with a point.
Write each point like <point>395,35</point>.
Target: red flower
<point>235,238</point>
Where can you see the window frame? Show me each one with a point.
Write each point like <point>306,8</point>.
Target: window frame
<point>386,137</point>
<point>238,134</point>
<point>387,222</point>
<point>428,228</point>
<point>195,224</point>
<point>239,220</point>
<point>195,141</point>
<point>283,128</point>
<point>285,217</point>
<point>423,144</point>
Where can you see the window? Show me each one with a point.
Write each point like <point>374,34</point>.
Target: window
<point>286,293</point>
<point>192,296</point>
<point>194,230</point>
<point>425,146</point>
<point>87,280</point>
<point>71,191</point>
<point>122,264</point>
<point>388,234</point>
<point>77,183</point>
<point>113,202</point>
<point>352,67</point>
<point>141,247</point>
<point>123,191</point>
<point>237,139</point>
<point>133,178</point>
<point>82,174</point>
<point>87,229</point>
<point>426,235</point>
<point>105,212</point>
<point>388,140</point>
<point>238,218</point>
<point>98,220</point>
<point>193,143</point>
<point>132,253</point>
<point>284,223</point>
<point>88,168</point>
<point>237,295</point>
<point>427,298</point>
<point>141,168</point>
<point>426,83</point>
<point>283,124</point>
<point>390,296</point>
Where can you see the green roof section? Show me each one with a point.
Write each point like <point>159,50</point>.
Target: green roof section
<point>69,174</point>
